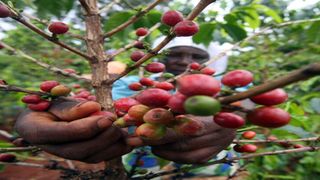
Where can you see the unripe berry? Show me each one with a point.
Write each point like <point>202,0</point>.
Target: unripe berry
<point>136,55</point>
<point>7,158</point>
<point>165,86</point>
<point>138,111</point>
<point>176,103</point>
<point>158,116</point>
<point>274,97</point>
<point>194,66</point>
<point>46,86</point>
<point>171,18</point>
<point>136,86</point>
<point>186,28</point>
<point>154,97</point>
<point>60,90</point>
<point>228,120</point>
<point>146,81</point>
<point>4,11</point>
<point>270,117</point>
<point>202,105</point>
<point>141,31</point>
<point>155,67</point>
<point>249,134</point>
<point>31,99</point>
<point>58,28</point>
<point>237,78</point>
<point>41,106</point>
<point>120,122</point>
<point>151,131</point>
<point>208,71</point>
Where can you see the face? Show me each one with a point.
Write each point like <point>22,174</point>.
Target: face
<point>180,57</point>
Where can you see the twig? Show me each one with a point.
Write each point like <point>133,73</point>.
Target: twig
<point>108,6</point>
<point>18,17</point>
<point>227,160</point>
<point>19,149</point>
<point>18,89</point>
<point>196,11</point>
<point>5,134</point>
<point>277,141</point>
<point>70,164</point>
<point>132,19</point>
<point>44,65</point>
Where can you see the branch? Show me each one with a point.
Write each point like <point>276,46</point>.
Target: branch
<point>44,65</point>
<point>19,149</point>
<point>277,141</point>
<point>18,89</point>
<point>132,19</point>
<point>297,75</point>
<point>18,17</point>
<point>227,160</point>
<point>195,12</point>
<point>131,45</point>
<point>109,6</point>
<point>5,134</point>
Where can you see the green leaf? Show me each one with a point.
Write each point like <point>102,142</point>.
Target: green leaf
<point>205,34</point>
<point>117,19</point>
<point>313,32</point>
<point>251,16</point>
<point>315,104</point>
<point>269,12</point>
<point>236,32</point>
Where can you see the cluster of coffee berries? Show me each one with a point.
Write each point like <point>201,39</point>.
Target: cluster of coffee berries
<point>181,27</point>
<point>37,103</point>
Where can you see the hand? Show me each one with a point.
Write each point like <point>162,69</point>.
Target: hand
<point>190,150</point>
<point>86,138</point>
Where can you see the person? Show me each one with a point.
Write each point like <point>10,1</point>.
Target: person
<point>94,139</point>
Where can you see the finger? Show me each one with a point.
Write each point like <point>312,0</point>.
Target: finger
<point>112,152</point>
<point>222,137</point>
<point>45,130</point>
<point>84,149</point>
<point>72,110</point>
<point>188,157</point>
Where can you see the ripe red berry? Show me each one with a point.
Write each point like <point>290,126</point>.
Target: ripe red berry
<point>249,134</point>
<point>46,86</point>
<point>31,99</point>
<point>237,78</point>
<point>139,45</point>
<point>136,86</point>
<point>171,18</point>
<point>155,67</point>
<point>7,158</point>
<point>270,117</point>
<point>141,31</point>
<point>176,103</point>
<point>194,66</point>
<point>151,131</point>
<point>136,55</point>
<point>146,81</point>
<point>165,86</point>
<point>158,116</point>
<point>154,97</point>
<point>208,71</point>
<point>3,82</point>
<point>69,70</point>
<point>249,148</point>
<point>4,11</point>
<point>198,84</point>
<point>186,28</point>
<point>228,120</point>
<point>40,106</point>
<point>274,97</point>
<point>272,138</point>
<point>124,104</point>
<point>58,28</point>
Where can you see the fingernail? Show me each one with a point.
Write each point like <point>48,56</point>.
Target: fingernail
<point>104,123</point>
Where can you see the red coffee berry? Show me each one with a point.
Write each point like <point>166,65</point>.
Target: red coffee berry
<point>3,82</point>
<point>249,148</point>
<point>208,71</point>
<point>1,46</point>
<point>296,146</point>
<point>83,94</point>
<point>171,18</point>
<point>4,11</point>
<point>194,66</point>
<point>138,111</point>
<point>146,81</point>
<point>58,28</point>
<point>186,28</point>
<point>139,45</point>
<point>272,138</point>
<point>122,105</point>
<point>158,116</point>
<point>136,86</point>
<point>270,117</point>
<point>40,106</point>
<point>237,78</point>
<point>141,31</point>
<point>176,103</point>
<point>238,148</point>
<point>198,84</point>
<point>92,98</point>
<point>31,99</point>
<point>154,97</point>
<point>165,86</point>
<point>151,131</point>
<point>69,70</point>
<point>155,67</point>
<point>249,134</point>
<point>46,86</point>
<point>136,55</point>
<point>7,158</point>
<point>274,97</point>
<point>228,120</point>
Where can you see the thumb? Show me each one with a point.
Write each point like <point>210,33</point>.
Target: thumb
<point>72,110</point>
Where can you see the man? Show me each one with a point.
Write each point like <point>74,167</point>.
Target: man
<point>94,139</point>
